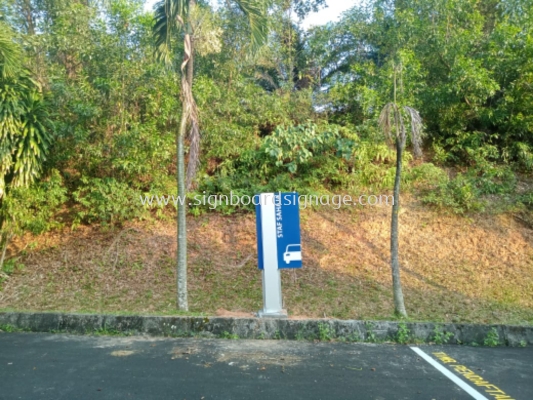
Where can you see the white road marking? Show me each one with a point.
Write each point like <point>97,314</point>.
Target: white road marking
<point>450,375</point>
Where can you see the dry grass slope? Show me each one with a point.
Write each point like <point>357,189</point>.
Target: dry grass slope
<point>454,268</point>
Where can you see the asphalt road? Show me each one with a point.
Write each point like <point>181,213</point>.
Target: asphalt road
<point>46,366</point>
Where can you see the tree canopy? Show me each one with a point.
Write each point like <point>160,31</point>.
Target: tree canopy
<point>299,113</point>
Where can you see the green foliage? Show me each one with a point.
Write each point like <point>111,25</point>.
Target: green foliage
<point>466,192</point>
<point>30,209</point>
<point>307,159</point>
<point>10,53</point>
<point>33,208</point>
<point>374,165</point>
<point>24,135</point>
<point>105,331</point>
<point>526,199</point>
<point>426,175</point>
<point>8,268</point>
<point>8,328</point>
<point>468,75</point>
<point>440,336</point>
<point>403,334</point>
<point>300,335</point>
<point>296,146</point>
<point>524,155</point>
<point>325,333</point>
<point>458,195</point>
<point>227,335</point>
<point>87,78</point>
<point>370,334</point>
<point>11,266</point>
<point>106,201</point>
<point>354,337</point>
<point>492,339</point>
<point>247,110</point>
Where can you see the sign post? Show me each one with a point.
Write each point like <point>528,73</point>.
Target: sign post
<point>278,245</point>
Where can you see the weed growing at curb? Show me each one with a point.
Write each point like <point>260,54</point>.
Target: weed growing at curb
<point>13,329</point>
<point>8,328</point>
<point>370,334</point>
<point>300,335</point>
<point>402,336</point>
<point>227,335</point>
<point>492,339</point>
<point>324,332</point>
<point>440,336</point>
<point>352,338</point>
<point>105,331</point>
<point>182,334</point>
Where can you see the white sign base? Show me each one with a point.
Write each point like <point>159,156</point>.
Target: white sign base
<point>272,302</point>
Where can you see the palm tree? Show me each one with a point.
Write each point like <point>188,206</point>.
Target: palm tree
<point>24,138</point>
<point>392,121</point>
<point>10,56</point>
<point>173,17</point>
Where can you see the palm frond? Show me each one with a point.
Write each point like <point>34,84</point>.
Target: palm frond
<point>385,119</point>
<point>256,13</point>
<point>32,142</point>
<point>416,130</point>
<point>400,128</point>
<point>391,121</point>
<point>10,56</point>
<point>25,136</point>
<point>169,18</point>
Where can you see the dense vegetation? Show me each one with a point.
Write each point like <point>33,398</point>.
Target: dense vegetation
<point>81,83</point>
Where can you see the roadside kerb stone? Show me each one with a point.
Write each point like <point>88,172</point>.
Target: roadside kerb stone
<point>257,328</point>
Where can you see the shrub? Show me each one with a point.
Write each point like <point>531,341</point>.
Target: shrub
<point>106,201</point>
<point>375,165</point>
<point>32,208</point>
<point>459,195</point>
<point>465,193</point>
<point>306,158</point>
<point>297,146</point>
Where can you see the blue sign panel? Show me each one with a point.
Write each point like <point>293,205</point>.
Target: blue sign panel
<point>259,232</point>
<point>288,230</point>
<point>287,222</point>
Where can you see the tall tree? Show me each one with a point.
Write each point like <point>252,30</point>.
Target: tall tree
<point>392,121</point>
<point>174,17</point>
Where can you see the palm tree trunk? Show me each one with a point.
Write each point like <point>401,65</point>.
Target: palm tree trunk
<point>194,129</point>
<point>4,240</point>
<point>181,270</point>
<point>395,262</point>
<point>186,112</point>
<point>4,236</point>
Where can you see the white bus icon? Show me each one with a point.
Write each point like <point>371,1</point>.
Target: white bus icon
<point>292,253</point>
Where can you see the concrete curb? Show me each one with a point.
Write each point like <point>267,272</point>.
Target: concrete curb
<point>256,328</point>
